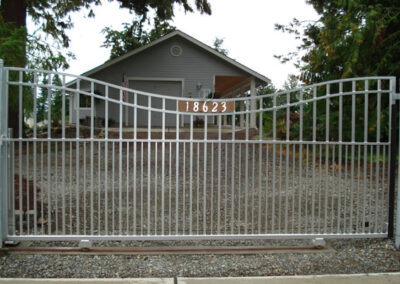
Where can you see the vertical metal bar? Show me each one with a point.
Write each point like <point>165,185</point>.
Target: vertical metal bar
<point>212,190</point>
<point>11,197</point>
<point>135,158</point>
<point>20,118</point>
<point>233,174</point>
<point>260,126</point>
<point>3,153</point>
<point>155,187</point>
<point>365,153</point>
<point>77,160</point>
<point>314,139</point>
<point>358,190</point>
<point>99,176</point>
<point>177,173</point>
<point>320,190</point>
<point>84,188</point>
<point>287,161</point>
<point>337,185</point>
<point>184,189</point>
<point>246,174</point>
<point>91,158</point>
<point>226,187</point>
<point>163,169</point>
<point>345,216</point>
<point>280,190</point>
<point>326,157</point>
<point>42,183</point>
<point>267,188</point>
<point>63,114</point>
<point>239,188</point>
<point>191,178</point>
<point>300,162</point>
<point>27,189</point>
<point>141,189</point>
<point>307,176</point>
<point>394,145</point>
<point>293,195</point>
<point>198,190</point>
<point>382,219</point>
<point>35,218</point>
<point>273,163</point>
<point>371,178</point>
<point>353,127</point>
<point>340,156</point>
<point>113,189</point>
<point>106,161</point>
<point>128,175</point>
<point>252,189</point>
<point>49,148</point>
<point>148,165</point>
<point>219,176</point>
<point>121,109</point>
<point>56,186</point>
<point>205,177</point>
<point>378,154</point>
<point>170,190</point>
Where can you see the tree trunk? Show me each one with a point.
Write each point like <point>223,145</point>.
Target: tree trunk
<point>14,11</point>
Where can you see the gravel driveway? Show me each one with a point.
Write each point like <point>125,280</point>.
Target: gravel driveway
<point>340,257</point>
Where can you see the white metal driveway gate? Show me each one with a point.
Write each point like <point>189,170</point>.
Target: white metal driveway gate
<point>316,165</point>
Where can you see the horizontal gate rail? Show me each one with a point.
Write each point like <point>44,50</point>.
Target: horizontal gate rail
<point>310,162</point>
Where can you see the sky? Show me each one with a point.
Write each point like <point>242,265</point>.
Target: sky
<point>247,28</point>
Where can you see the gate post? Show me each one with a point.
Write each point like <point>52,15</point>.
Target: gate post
<point>397,232</point>
<point>3,156</point>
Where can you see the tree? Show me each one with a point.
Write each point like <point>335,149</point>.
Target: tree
<point>53,19</point>
<point>351,38</point>
<point>217,45</point>
<point>133,36</point>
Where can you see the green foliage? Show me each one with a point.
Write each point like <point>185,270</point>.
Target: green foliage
<point>55,100</point>
<point>217,45</point>
<point>133,36</point>
<point>12,44</point>
<point>351,38</point>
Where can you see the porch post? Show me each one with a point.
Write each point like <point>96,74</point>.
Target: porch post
<point>253,103</point>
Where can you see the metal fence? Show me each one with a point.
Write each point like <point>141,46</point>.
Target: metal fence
<point>317,164</point>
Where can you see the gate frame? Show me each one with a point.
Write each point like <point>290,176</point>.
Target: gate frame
<point>6,177</point>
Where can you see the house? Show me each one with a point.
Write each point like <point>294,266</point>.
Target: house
<point>175,65</point>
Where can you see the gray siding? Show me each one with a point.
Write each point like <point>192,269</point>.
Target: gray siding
<point>195,65</point>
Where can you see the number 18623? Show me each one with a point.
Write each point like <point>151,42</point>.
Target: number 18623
<point>206,107</point>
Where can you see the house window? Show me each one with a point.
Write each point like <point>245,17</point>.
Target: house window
<point>84,101</point>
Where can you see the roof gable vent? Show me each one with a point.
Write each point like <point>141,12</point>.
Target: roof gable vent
<point>175,50</point>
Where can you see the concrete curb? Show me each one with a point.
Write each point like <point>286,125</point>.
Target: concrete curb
<point>381,278</point>
<point>88,281</point>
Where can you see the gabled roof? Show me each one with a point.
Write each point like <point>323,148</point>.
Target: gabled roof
<point>189,38</point>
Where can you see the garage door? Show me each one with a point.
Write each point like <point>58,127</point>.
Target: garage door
<point>168,88</point>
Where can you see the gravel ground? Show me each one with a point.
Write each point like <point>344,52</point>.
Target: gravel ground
<point>340,257</point>
<point>313,203</point>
